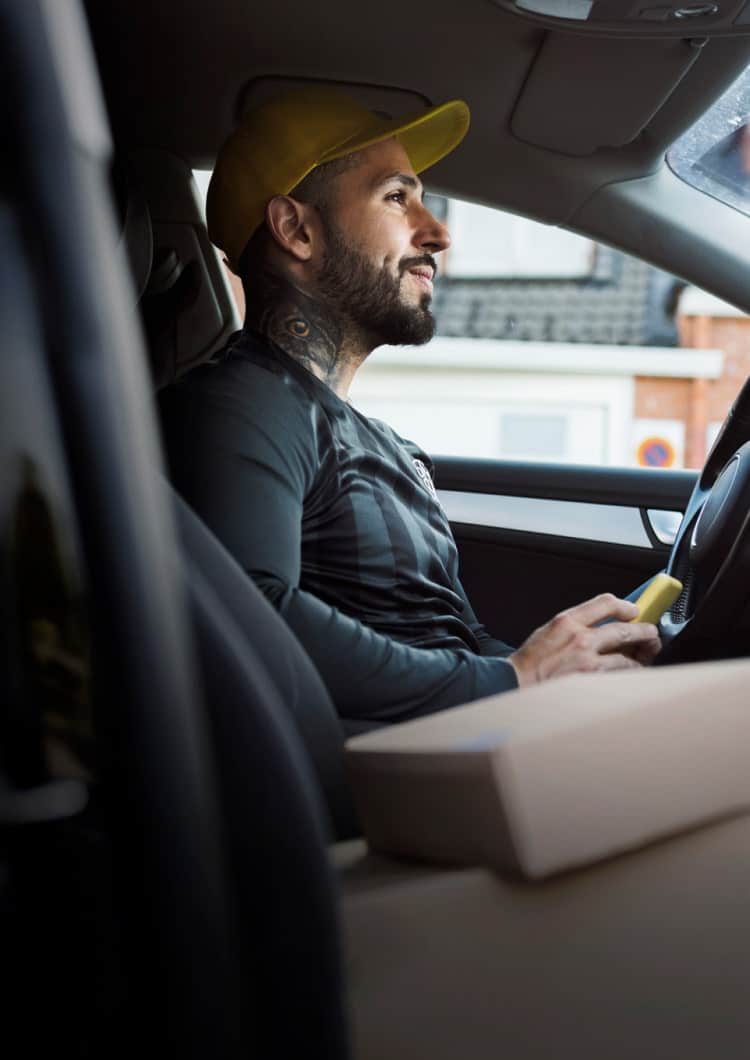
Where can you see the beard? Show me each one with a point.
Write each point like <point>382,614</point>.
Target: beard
<point>369,297</point>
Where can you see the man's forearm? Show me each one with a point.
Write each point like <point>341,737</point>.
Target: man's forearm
<point>369,675</point>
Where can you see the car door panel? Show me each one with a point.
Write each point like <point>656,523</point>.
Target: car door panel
<point>535,538</point>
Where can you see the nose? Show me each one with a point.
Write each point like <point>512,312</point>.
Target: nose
<point>430,234</point>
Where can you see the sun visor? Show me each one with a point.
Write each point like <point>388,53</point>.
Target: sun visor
<point>579,98</point>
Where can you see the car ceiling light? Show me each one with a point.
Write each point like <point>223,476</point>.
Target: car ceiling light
<point>659,17</point>
<point>578,10</point>
<point>698,11</point>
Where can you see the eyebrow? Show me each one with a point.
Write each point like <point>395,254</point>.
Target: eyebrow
<point>399,178</point>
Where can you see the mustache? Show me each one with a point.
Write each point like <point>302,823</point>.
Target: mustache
<point>411,263</point>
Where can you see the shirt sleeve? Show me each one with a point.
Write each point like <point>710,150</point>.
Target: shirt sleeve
<point>245,464</point>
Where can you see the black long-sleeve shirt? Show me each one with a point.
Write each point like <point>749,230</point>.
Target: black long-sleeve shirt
<point>336,519</point>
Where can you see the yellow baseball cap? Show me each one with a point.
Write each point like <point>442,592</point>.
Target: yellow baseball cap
<point>278,143</point>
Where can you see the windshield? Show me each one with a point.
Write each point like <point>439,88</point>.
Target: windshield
<point>714,154</point>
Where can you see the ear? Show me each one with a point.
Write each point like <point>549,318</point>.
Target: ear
<point>292,225</point>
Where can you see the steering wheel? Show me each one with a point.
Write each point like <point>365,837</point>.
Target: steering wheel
<point>711,553</point>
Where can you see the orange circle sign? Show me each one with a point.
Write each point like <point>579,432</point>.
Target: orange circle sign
<point>655,452</point>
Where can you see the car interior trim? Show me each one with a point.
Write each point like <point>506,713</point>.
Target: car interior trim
<point>631,487</point>
<point>664,524</point>
<point>592,522</point>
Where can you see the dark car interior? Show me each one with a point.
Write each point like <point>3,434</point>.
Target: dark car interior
<point>183,870</point>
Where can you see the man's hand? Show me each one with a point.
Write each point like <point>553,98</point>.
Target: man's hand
<point>573,642</point>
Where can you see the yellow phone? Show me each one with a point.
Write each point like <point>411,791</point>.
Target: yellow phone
<point>658,596</point>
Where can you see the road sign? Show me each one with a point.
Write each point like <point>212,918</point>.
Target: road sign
<point>655,452</point>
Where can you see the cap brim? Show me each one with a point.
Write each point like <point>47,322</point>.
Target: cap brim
<point>426,137</point>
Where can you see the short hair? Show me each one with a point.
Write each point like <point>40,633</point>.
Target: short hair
<point>318,189</point>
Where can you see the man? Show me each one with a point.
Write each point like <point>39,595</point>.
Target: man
<point>317,205</point>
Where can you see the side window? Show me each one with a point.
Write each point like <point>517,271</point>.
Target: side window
<point>550,347</point>
<point>202,179</point>
<point>553,348</point>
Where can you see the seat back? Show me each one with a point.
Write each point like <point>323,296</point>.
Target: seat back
<point>160,284</point>
<point>263,634</point>
<point>274,822</point>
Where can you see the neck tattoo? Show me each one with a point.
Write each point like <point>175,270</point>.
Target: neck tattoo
<point>299,324</point>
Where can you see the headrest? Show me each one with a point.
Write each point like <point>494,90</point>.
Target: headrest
<point>172,291</point>
<point>188,308</point>
<point>186,305</point>
<point>164,287</point>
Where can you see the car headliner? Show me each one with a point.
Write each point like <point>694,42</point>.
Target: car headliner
<point>176,72</point>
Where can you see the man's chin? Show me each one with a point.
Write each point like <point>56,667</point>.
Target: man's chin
<point>414,330</point>
<point>426,322</point>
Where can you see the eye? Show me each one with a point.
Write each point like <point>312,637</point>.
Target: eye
<point>396,196</point>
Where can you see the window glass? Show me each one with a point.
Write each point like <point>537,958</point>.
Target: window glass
<point>534,433</point>
<point>550,347</point>
<point>714,154</point>
<point>202,178</point>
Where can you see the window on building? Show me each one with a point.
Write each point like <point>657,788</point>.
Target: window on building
<point>490,244</point>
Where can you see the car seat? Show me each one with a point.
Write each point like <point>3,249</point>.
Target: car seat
<point>295,679</point>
